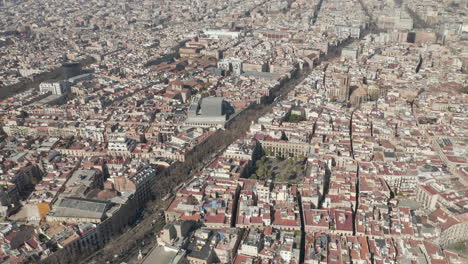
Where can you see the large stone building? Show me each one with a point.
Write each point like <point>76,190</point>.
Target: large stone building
<point>285,148</point>
<point>79,210</point>
<point>208,112</point>
<point>341,89</point>
<point>359,95</point>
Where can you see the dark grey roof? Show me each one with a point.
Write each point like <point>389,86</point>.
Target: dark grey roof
<point>84,204</point>
<point>79,207</point>
<point>212,106</point>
